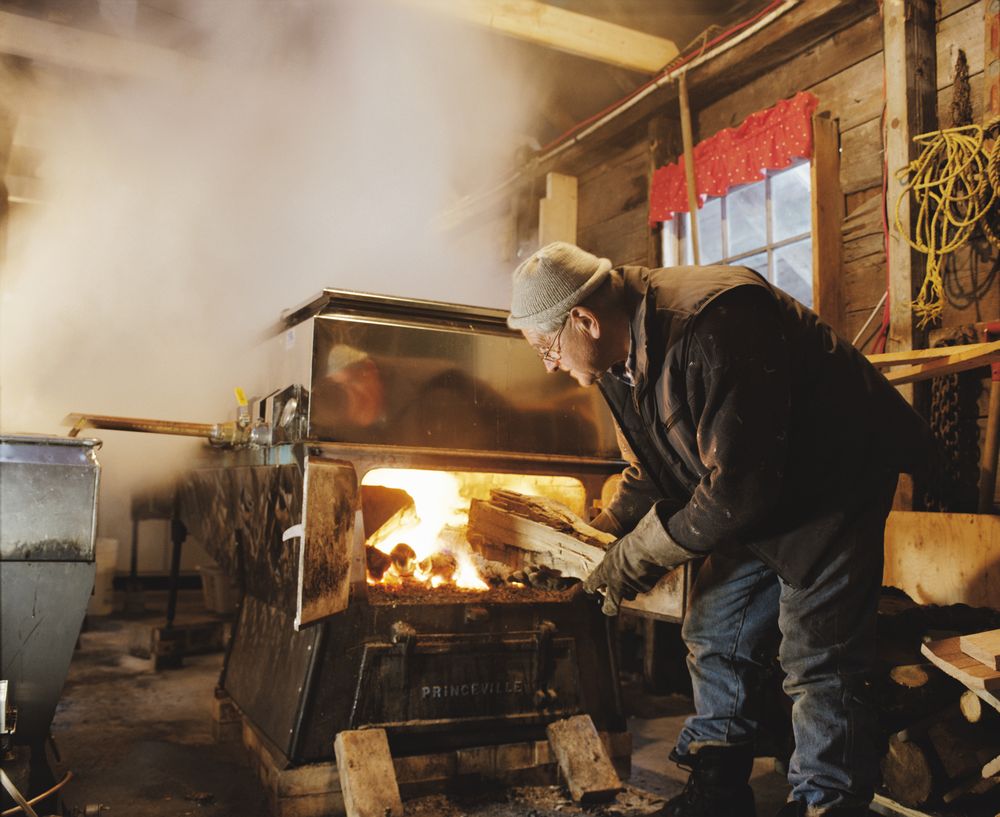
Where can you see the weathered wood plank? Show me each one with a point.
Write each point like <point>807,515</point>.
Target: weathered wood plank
<point>617,186</point>
<point>584,763</point>
<point>944,558</point>
<point>856,319</point>
<point>910,109</point>
<point>984,647</point>
<point>948,7</point>
<point>861,157</point>
<point>557,212</point>
<point>962,30</point>
<point>864,281</point>
<point>823,61</point>
<point>866,245</point>
<point>864,218</point>
<point>946,94</point>
<point>854,95</point>
<point>367,777</point>
<point>623,239</point>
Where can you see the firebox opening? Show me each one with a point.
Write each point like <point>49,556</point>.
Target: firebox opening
<point>418,541</point>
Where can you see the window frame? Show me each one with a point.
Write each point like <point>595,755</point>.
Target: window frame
<point>676,249</point>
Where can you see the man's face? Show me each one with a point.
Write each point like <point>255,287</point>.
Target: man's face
<point>363,393</point>
<point>569,349</point>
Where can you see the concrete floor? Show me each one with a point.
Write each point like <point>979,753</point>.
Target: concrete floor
<point>139,742</point>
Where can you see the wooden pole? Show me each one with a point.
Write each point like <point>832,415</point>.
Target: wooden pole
<point>689,165</point>
<point>910,77</point>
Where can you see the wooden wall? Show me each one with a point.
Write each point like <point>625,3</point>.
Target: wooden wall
<point>845,71</point>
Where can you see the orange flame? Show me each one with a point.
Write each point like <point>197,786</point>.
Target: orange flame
<point>437,526</point>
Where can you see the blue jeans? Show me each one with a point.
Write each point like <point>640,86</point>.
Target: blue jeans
<point>827,649</point>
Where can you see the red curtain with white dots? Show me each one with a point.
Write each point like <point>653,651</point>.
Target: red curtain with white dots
<point>766,140</point>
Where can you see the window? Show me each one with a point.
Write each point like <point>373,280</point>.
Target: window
<point>765,225</point>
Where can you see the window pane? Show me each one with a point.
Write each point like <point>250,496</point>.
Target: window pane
<point>793,270</point>
<point>791,205</point>
<point>710,231</point>
<point>756,262</point>
<point>746,218</point>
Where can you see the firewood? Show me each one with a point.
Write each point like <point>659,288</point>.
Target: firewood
<point>975,710</point>
<point>377,562</point>
<point>404,559</point>
<point>403,518</point>
<point>441,564</point>
<point>906,773</point>
<point>552,514</point>
<point>529,529</point>
<point>909,694</point>
<point>561,550</point>
<point>912,676</point>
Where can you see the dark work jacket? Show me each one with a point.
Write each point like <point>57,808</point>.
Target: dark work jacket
<point>756,424</point>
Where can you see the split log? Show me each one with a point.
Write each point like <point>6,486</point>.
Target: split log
<point>545,533</point>
<point>975,710</point>
<point>940,759</point>
<point>907,773</point>
<point>552,514</point>
<point>910,693</point>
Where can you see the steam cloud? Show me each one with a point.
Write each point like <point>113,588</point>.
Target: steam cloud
<point>312,146</point>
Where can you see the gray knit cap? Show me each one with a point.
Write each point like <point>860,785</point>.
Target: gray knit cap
<point>551,282</point>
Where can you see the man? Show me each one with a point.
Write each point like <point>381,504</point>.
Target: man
<point>760,440</point>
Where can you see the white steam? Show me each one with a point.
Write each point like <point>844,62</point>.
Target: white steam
<point>312,147</point>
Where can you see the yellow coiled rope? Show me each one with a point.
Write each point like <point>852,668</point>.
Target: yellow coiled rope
<point>954,182</point>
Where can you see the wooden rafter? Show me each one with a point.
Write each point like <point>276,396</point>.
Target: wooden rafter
<point>564,30</point>
<point>89,51</point>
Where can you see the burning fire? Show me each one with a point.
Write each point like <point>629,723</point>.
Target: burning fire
<point>426,543</point>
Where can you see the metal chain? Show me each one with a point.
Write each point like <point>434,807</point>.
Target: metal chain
<point>953,414</point>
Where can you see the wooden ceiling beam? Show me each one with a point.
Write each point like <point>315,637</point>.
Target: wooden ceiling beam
<point>88,51</point>
<point>563,30</point>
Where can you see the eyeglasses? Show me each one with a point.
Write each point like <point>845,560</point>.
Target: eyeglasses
<point>553,353</point>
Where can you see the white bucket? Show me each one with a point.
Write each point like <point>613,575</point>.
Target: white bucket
<point>106,555</point>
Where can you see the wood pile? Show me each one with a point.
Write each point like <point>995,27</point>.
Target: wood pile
<point>949,747</point>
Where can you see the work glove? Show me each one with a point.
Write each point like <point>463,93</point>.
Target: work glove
<point>636,562</point>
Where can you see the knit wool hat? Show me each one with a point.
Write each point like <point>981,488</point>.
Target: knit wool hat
<point>551,282</point>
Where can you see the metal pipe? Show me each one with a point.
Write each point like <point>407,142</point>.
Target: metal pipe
<point>82,421</point>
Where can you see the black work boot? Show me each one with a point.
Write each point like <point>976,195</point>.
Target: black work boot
<point>718,785</point>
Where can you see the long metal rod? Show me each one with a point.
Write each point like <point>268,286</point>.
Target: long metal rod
<point>82,421</point>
